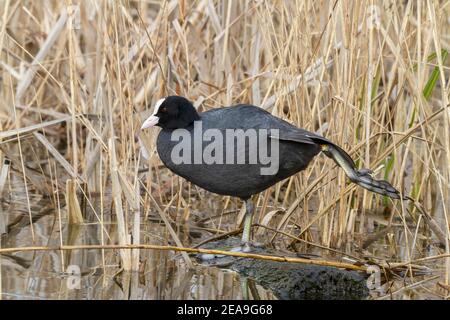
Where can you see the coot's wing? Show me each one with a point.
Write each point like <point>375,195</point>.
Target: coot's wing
<point>293,135</point>
<point>252,117</point>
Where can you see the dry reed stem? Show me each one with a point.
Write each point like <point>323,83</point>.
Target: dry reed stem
<point>27,78</point>
<point>3,179</point>
<point>123,236</point>
<point>73,206</point>
<point>34,127</point>
<point>6,164</point>
<point>191,250</point>
<point>52,150</point>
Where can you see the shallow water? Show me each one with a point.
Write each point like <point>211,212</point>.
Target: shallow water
<point>162,275</point>
<point>39,275</point>
<point>97,273</point>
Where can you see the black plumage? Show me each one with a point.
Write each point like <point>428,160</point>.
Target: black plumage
<point>297,147</point>
<point>239,180</point>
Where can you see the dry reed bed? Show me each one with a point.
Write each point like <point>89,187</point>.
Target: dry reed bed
<point>370,75</point>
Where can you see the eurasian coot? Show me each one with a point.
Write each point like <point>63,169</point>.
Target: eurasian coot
<point>242,150</point>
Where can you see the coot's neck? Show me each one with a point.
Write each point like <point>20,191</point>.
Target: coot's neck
<point>189,115</point>
<point>189,127</point>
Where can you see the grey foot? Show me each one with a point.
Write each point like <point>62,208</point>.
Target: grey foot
<point>248,247</point>
<point>244,247</point>
<point>365,180</point>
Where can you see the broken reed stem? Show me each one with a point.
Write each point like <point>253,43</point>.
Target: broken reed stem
<point>434,226</point>
<point>4,174</point>
<point>56,154</point>
<point>74,210</point>
<point>192,250</point>
<point>117,199</point>
<point>3,177</point>
<point>27,79</point>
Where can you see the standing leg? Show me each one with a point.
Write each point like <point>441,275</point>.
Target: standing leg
<point>246,234</point>
<point>246,245</point>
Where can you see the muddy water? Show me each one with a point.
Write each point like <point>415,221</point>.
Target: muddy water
<point>163,274</point>
<point>39,275</point>
<point>44,274</point>
<point>96,274</point>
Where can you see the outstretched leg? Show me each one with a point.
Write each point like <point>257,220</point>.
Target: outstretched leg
<point>361,177</point>
<point>246,244</point>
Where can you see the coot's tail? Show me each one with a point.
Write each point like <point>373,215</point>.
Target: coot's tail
<point>361,177</point>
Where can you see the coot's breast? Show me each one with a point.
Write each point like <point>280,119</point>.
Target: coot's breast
<point>222,174</point>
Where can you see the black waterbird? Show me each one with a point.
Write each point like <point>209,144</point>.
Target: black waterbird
<point>296,148</point>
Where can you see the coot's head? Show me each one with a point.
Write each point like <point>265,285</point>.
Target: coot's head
<point>172,112</point>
